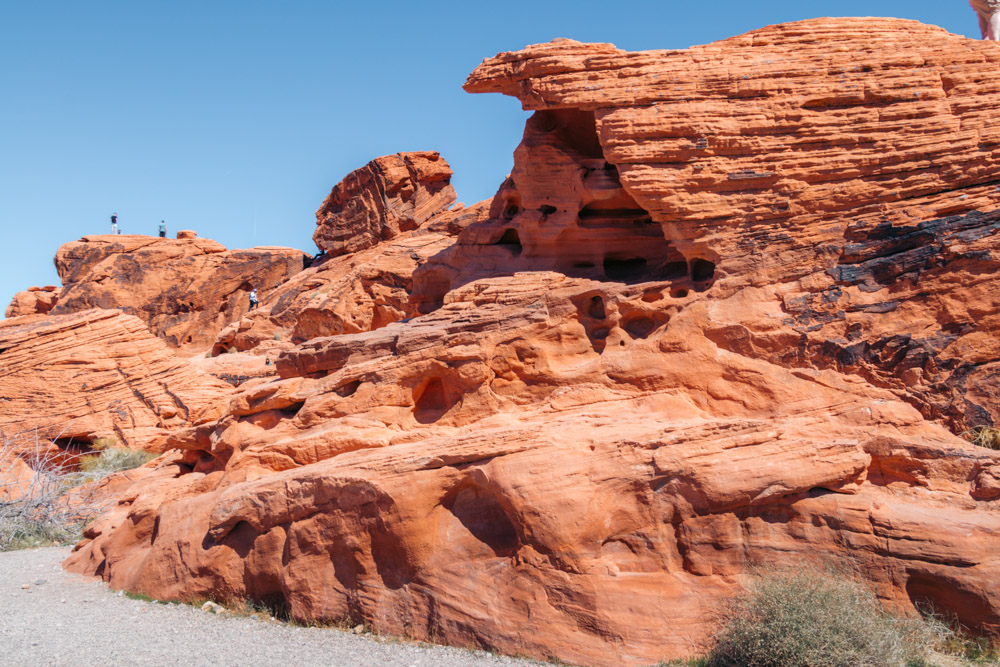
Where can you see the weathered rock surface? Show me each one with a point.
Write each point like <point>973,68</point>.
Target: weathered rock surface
<point>98,374</point>
<point>33,301</point>
<point>724,311</point>
<point>362,291</point>
<point>185,290</point>
<point>849,162</point>
<point>389,195</point>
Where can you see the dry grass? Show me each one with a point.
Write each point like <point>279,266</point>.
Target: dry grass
<point>34,511</point>
<point>983,436</point>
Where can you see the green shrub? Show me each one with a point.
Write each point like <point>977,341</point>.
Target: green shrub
<point>815,617</point>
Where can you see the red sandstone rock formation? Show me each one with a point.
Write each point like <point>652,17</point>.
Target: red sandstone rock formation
<point>389,195</point>
<point>721,313</point>
<point>185,290</point>
<point>33,301</point>
<point>98,374</point>
<point>376,243</point>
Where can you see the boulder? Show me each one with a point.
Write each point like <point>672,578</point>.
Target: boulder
<point>389,195</point>
<point>33,301</point>
<point>185,290</point>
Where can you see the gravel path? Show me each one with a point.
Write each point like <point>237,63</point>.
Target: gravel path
<point>65,619</point>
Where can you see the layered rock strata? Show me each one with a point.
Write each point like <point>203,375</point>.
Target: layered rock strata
<point>97,374</point>
<point>391,194</point>
<point>847,164</point>
<point>723,312</point>
<point>185,290</point>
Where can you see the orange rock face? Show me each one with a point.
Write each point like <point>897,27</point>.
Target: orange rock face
<point>185,290</point>
<point>729,308</point>
<point>33,301</point>
<point>98,374</point>
<point>359,291</point>
<point>391,194</point>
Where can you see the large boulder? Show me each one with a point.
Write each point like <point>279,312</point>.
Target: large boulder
<point>33,301</point>
<point>729,309</point>
<point>389,195</point>
<point>185,290</point>
<point>352,293</point>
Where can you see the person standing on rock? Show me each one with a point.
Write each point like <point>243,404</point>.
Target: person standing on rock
<point>163,229</point>
<point>253,298</point>
<point>114,223</point>
<point>989,18</point>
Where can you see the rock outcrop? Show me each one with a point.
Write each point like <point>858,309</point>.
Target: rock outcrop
<point>359,291</point>
<point>389,195</point>
<point>33,301</point>
<point>846,164</point>
<point>185,290</point>
<point>98,374</point>
<point>729,308</point>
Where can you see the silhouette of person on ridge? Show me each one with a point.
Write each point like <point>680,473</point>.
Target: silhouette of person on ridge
<point>163,229</point>
<point>114,223</point>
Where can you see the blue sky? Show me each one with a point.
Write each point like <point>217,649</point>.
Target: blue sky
<point>236,118</point>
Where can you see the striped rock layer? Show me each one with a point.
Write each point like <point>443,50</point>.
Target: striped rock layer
<point>729,308</point>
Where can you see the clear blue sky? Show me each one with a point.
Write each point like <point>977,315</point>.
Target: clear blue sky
<point>235,118</point>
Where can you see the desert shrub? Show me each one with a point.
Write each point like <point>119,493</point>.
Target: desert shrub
<point>984,436</point>
<point>107,461</point>
<point>817,617</point>
<point>35,512</point>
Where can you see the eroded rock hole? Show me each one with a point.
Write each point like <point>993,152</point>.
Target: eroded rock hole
<point>511,240</point>
<point>702,270</point>
<point>574,128</point>
<point>545,209</point>
<point>348,389</point>
<point>624,269</point>
<point>483,515</point>
<point>674,270</point>
<point>70,451</point>
<point>639,327</point>
<point>595,308</point>
<point>678,293</point>
<point>430,402</point>
<point>431,287</point>
<point>292,409</point>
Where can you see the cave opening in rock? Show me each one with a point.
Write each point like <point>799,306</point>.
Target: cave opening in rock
<point>430,401</point>
<point>595,308</point>
<point>67,455</point>
<point>292,410</point>
<point>702,270</point>
<point>572,128</point>
<point>624,269</point>
<point>511,240</point>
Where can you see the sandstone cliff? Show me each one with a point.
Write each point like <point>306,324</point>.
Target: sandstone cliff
<point>729,308</point>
